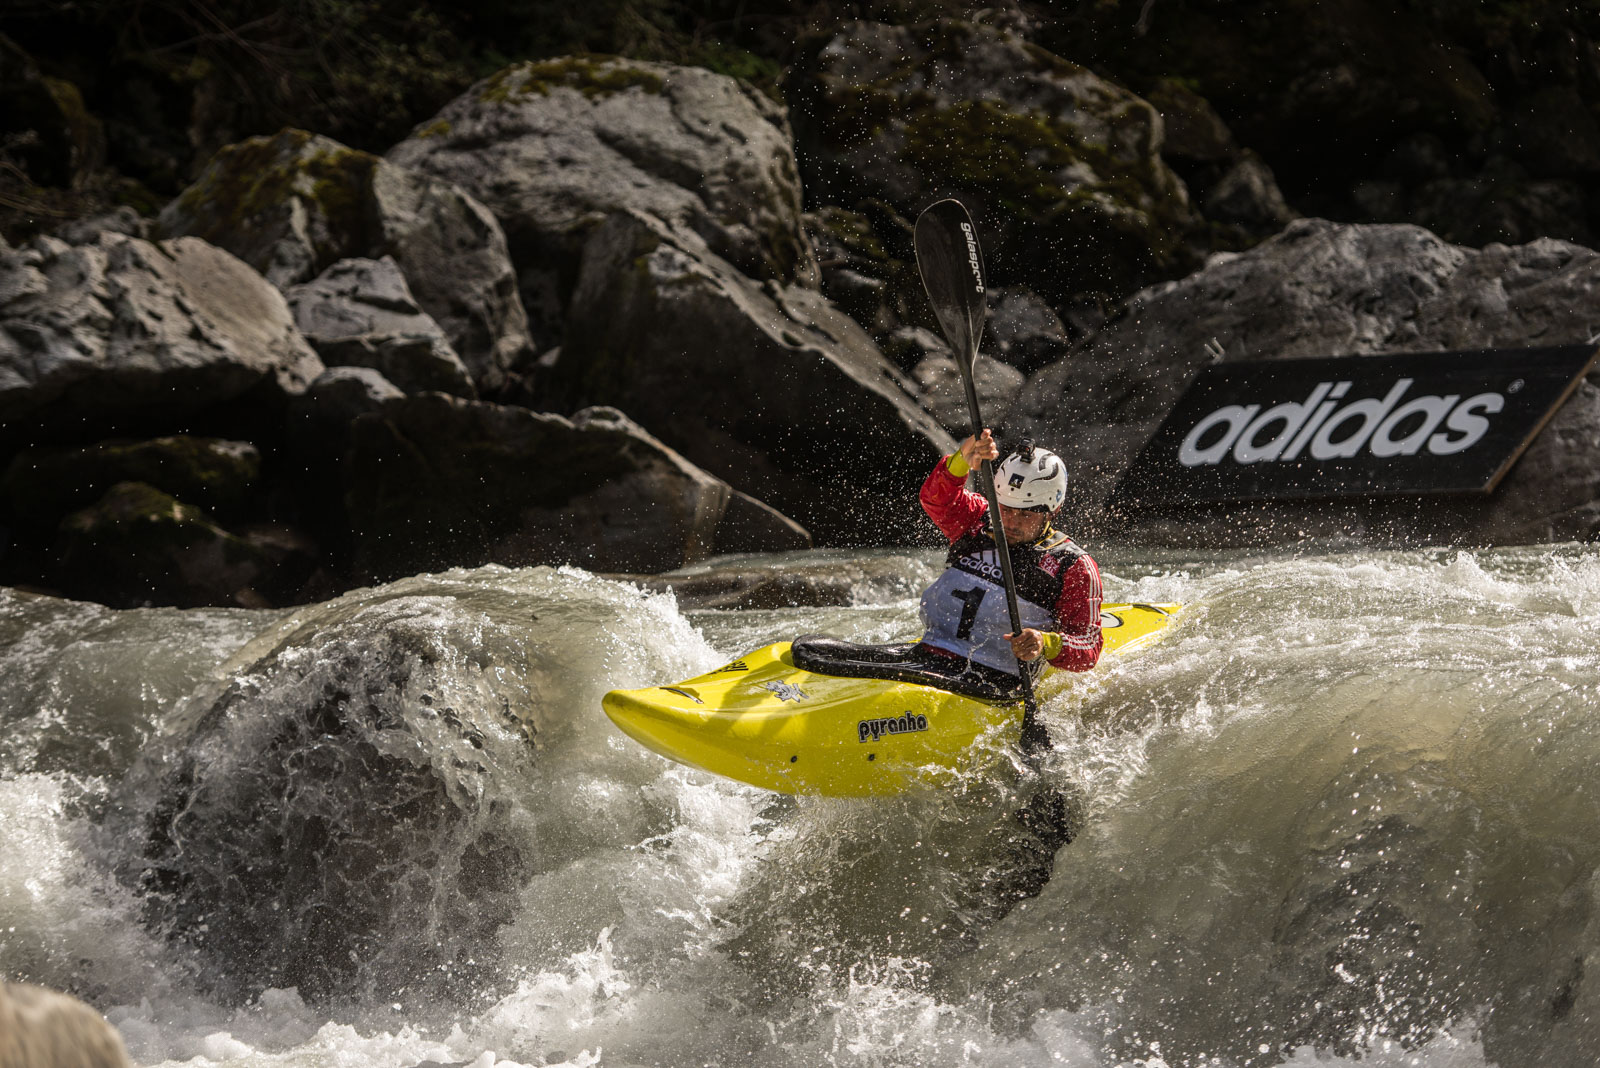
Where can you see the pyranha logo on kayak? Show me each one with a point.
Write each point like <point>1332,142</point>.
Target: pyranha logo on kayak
<point>902,724</point>
<point>1314,423</point>
<point>784,691</point>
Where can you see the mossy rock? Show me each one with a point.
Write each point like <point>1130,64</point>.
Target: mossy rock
<point>246,202</point>
<point>593,76</point>
<point>42,485</point>
<point>139,546</point>
<point>1063,168</point>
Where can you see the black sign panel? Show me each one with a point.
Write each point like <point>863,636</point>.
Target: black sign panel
<point>1444,422</point>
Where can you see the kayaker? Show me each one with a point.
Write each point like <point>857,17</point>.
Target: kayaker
<point>964,611</point>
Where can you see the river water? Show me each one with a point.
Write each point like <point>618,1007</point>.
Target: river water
<point>1345,812</point>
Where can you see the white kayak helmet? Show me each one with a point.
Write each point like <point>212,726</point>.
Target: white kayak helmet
<point>1031,478</point>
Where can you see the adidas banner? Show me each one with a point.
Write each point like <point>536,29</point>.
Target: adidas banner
<point>1445,422</point>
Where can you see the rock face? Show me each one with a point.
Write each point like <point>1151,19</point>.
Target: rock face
<point>943,391</point>
<point>295,204</point>
<point>766,386</point>
<point>556,146</point>
<point>124,329</point>
<point>1321,289</point>
<point>360,313</point>
<point>1064,168</point>
<point>41,1028</point>
<point>1023,330</point>
<point>434,481</point>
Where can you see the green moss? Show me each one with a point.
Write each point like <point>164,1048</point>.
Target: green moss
<point>437,128</point>
<point>1016,157</point>
<point>255,177</point>
<point>593,76</point>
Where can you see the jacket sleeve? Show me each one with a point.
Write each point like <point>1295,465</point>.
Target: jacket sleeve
<point>953,508</point>
<point>1078,617</point>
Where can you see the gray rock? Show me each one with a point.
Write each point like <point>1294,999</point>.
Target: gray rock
<point>360,313</point>
<point>1063,168</point>
<point>768,387</point>
<point>1321,289</point>
<point>122,326</point>
<point>295,204</point>
<point>42,1028</point>
<point>1023,330</point>
<point>1247,194</point>
<point>1232,184</point>
<point>342,393</point>
<point>555,146</point>
<point>910,345</point>
<point>1504,205</point>
<point>1195,133</point>
<point>435,481</point>
<point>944,393</point>
<point>123,220</point>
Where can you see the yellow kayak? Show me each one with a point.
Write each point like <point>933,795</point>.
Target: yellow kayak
<point>764,721</point>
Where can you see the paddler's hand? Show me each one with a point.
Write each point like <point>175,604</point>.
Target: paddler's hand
<point>975,450</point>
<point>1027,645</point>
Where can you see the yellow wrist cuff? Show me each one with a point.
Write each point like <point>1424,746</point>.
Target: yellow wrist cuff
<point>1052,645</point>
<point>956,464</point>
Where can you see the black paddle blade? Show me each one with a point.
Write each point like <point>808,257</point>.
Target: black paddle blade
<point>952,272</point>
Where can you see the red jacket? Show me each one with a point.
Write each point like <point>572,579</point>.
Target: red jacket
<point>1052,572</point>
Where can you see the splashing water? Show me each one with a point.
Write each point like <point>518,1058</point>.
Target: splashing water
<point>1343,812</point>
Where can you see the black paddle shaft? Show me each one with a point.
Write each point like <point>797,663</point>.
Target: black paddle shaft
<point>951,264</point>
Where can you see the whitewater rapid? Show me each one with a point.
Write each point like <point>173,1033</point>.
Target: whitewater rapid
<point>1344,812</point>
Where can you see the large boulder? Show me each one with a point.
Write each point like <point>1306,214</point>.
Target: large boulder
<point>128,331</point>
<point>295,204</point>
<point>766,386</point>
<point>1322,289</point>
<point>434,481</point>
<point>344,749</point>
<point>555,146</point>
<point>1063,167</point>
<point>360,313</point>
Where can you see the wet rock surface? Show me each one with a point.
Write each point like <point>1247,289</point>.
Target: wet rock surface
<point>355,750</point>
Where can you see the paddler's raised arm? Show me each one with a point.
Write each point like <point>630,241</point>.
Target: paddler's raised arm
<point>971,453</point>
<point>945,497</point>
